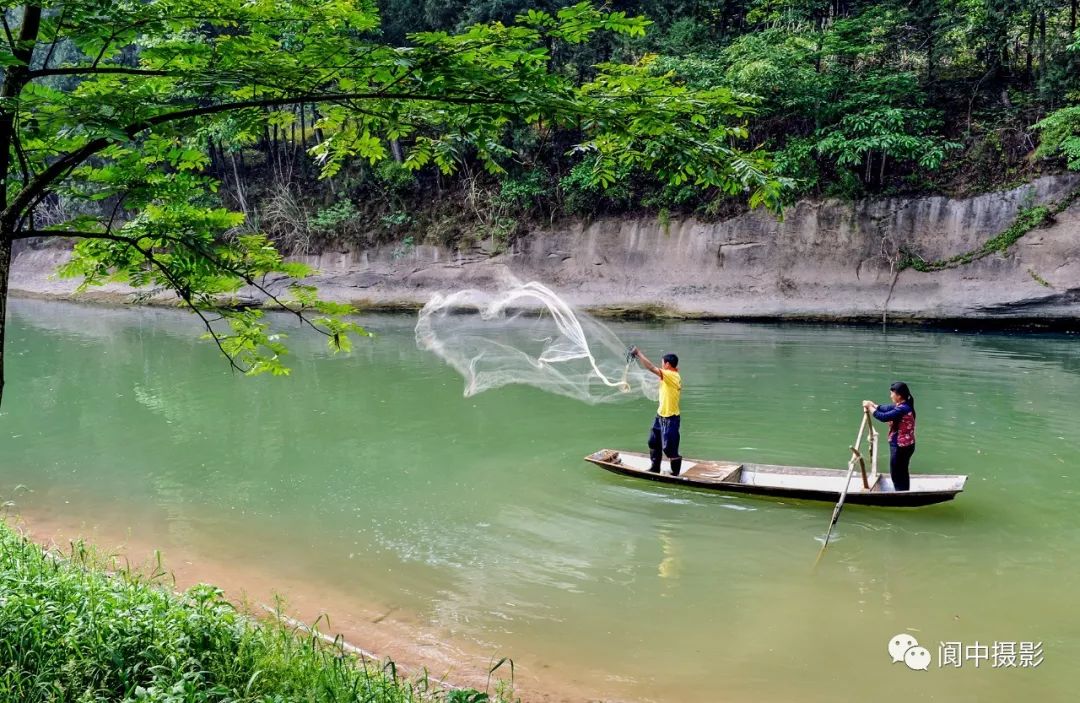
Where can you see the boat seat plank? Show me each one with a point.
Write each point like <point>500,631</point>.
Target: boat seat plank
<point>713,471</point>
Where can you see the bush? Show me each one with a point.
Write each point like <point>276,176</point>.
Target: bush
<point>394,177</point>
<point>526,191</point>
<point>330,219</point>
<point>584,197</point>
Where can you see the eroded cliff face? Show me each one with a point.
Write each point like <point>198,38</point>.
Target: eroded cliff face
<point>829,260</point>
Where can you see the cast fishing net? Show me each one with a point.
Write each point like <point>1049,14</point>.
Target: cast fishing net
<point>526,334</point>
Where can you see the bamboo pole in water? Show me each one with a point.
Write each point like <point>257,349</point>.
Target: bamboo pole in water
<point>862,470</point>
<point>855,456</point>
<point>873,453</point>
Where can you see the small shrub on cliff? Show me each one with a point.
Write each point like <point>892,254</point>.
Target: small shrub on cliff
<point>330,219</point>
<point>1061,136</point>
<point>583,196</point>
<point>526,191</point>
<point>395,177</point>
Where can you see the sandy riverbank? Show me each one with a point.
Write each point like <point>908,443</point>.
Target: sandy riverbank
<point>380,628</point>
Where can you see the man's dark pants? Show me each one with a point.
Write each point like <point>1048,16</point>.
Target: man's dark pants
<point>664,439</point>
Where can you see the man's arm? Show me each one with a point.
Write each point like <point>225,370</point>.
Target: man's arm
<point>649,366</point>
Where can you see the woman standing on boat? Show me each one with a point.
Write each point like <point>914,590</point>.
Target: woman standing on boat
<point>901,418</point>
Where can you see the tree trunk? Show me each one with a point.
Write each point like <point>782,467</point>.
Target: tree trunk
<point>1030,44</point>
<point>1042,43</point>
<point>14,82</point>
<point>931,44</point>
<point>303,127</point>
<point>319,138</point>
<point>5,270</point>
<point>1073,7</point>
<point>275,154</point>
<point>240,187</point>
<point>292,147</point>
<point>997,40</point>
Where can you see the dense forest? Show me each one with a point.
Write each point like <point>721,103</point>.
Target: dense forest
<point>851,98</point>
<point>838,98</point>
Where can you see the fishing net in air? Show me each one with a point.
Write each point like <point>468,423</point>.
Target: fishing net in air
<point>526,334</point>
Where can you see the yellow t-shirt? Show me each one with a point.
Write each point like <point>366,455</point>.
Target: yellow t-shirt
<point>670,390</point>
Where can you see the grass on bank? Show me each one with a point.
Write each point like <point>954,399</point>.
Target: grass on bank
<point>76,628</point>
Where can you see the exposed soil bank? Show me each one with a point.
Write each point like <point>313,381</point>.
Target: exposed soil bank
<point>830,261</point>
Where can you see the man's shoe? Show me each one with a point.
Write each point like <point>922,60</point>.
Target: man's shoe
<point>676,466</point>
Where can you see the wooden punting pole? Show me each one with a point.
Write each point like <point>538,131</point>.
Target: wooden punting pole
<point>866,426</point>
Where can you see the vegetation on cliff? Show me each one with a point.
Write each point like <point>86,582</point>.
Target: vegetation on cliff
<point>853,98</point>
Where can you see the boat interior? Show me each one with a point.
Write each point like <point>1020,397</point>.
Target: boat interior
<point>789,477</point>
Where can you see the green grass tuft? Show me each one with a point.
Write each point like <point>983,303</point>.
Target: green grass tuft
<point>72,631</point>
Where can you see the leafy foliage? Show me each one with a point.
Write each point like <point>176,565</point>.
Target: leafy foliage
<point>123,105</point>
<point>69,631</point>
<point>1061,134</point>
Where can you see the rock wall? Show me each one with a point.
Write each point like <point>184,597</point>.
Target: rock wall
<point>823,260</point>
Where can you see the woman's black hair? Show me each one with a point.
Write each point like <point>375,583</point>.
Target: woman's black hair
<point>901,389</point>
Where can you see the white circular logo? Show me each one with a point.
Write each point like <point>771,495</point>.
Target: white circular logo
<point>905,648</point>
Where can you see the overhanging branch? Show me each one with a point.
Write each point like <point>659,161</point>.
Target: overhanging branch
<point>133,241</point>
<point>91,70</point>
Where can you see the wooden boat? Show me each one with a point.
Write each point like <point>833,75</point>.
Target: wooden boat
<point>787,481</point>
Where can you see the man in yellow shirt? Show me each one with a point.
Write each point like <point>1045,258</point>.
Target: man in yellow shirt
<point>664,438</point>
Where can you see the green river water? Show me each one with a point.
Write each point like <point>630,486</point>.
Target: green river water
<point>476,518</point>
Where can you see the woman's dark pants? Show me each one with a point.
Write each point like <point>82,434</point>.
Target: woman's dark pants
<point>899,458</point>
<point>664,439</point>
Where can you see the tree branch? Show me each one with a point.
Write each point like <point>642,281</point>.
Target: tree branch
<point>92,70</point>
<point>20,215</point>
<point>56,37</point>
<point>115,211</point>
<point>28,32</point>
<point>24,167</point>
<point>132,241</point>
<point>185,295</point>
<point>31,233</point>
<point>7,31</point>
<point>105,46</point>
